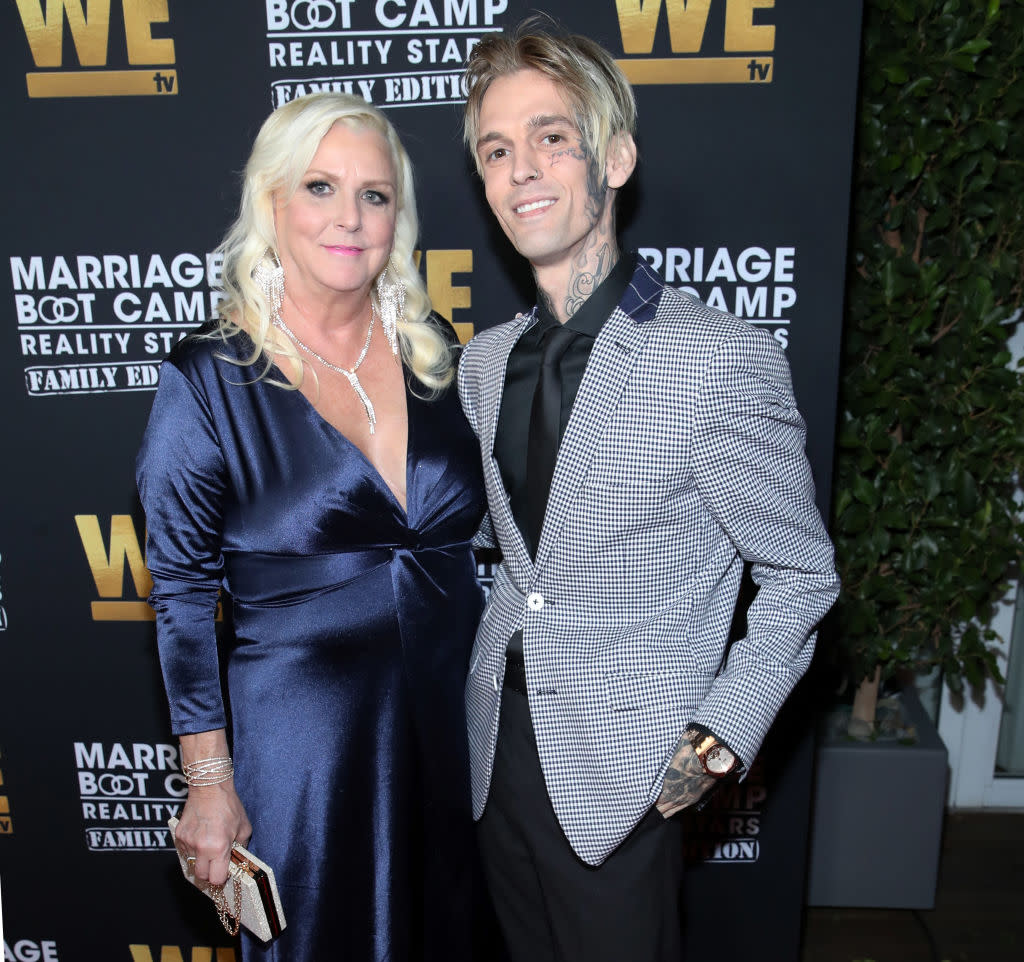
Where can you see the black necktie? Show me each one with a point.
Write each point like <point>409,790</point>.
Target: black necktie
<point>545,424</point>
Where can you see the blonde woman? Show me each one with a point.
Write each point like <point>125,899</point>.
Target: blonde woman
<point>308,455</point>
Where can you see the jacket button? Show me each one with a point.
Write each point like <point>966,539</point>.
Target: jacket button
<point>535,601</point>
<point>494,681</point>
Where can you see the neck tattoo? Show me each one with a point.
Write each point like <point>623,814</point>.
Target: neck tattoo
<point>348,372</point>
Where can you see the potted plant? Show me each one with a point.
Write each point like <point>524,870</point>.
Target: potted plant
<point>927,525</point>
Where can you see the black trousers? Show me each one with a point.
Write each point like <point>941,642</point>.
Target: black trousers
<point>552,906</point>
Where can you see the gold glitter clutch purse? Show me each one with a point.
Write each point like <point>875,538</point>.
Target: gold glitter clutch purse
<point>249,897</point>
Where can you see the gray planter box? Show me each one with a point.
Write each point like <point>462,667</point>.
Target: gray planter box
<point>876,829</point>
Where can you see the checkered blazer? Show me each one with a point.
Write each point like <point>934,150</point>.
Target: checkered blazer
<point>683,458</point>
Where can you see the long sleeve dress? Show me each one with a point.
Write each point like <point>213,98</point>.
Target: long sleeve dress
<point>352,622</point>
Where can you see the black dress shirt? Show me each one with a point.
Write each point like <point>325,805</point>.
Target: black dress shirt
<point>512,432</point>
<point>511,435</point>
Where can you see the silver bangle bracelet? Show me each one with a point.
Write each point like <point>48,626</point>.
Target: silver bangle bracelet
<point>208,771</point>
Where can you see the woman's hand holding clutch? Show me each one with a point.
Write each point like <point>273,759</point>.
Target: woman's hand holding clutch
<point>213,817</point>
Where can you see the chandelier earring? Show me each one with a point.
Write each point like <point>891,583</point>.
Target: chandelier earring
<point>268,276</point>
<point>391,297</point>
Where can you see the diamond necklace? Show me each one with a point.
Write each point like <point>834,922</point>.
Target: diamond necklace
<point>349,373</point>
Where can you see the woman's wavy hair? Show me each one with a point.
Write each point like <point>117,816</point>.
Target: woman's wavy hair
<point>281,155</point>
<point>596,88</point>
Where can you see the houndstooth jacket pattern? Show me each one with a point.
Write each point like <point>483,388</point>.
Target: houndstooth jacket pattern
<point>683,458</point>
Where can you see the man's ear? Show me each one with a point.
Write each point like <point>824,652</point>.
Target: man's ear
<point>621,159</point>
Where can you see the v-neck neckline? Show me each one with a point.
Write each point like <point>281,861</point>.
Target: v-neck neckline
<point>342,436</point>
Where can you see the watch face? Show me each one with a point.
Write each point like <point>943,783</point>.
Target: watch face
<point>719,761</point>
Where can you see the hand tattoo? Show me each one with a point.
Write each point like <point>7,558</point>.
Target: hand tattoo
<point>686,782</point>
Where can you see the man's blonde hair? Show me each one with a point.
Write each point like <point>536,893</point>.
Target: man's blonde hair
<point>596,88</point>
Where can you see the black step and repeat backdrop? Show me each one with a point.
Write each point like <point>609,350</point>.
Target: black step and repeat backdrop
<point>127,124</point>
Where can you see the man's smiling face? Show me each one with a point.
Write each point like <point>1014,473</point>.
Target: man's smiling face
<point>539,178</point>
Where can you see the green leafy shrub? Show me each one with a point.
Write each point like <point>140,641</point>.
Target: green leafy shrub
<point>931,438</point>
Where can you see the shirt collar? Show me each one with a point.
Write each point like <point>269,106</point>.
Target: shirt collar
<point>630,285</point>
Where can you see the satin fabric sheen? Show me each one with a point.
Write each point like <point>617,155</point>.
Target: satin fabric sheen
<point>352,626</point>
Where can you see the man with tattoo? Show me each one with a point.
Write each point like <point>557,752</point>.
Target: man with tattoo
<point>638,449</point>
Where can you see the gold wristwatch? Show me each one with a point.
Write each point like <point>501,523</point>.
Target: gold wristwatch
<point>715,758</point>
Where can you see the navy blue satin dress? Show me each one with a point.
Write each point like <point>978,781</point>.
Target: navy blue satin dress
<point>352,622</point>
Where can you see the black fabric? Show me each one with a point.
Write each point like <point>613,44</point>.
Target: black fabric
<point>515,672</point>
<point>552,906</point>
<point>544,436</point>
<point>521,375</point>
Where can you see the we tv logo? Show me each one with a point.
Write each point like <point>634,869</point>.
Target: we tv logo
<point>709,41</point>
<point>114,560</point>
<point>117,49</point>
<point>109,562</point>
<point>177,953</point>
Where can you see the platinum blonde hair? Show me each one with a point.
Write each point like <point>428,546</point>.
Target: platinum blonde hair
<point>596,88</point>
<point>281,155</point>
